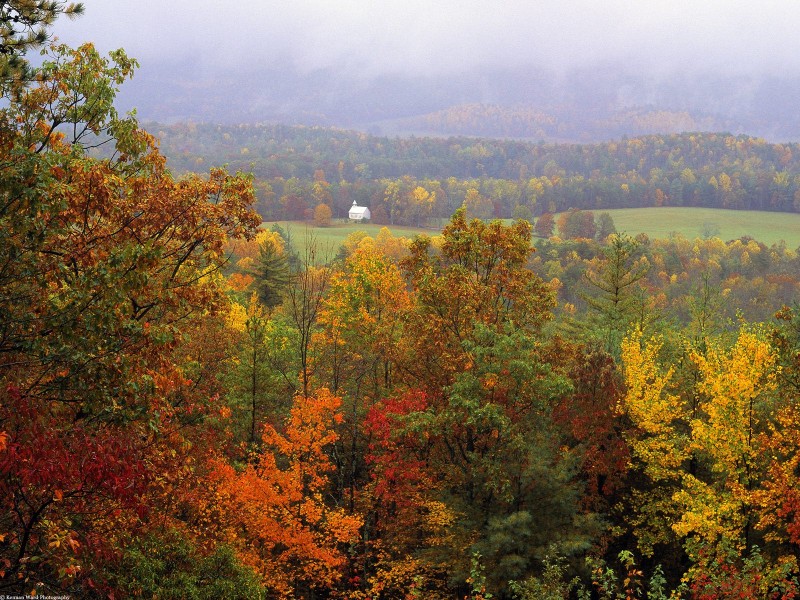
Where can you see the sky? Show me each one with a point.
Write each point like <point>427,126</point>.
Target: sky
<point>430,37</point>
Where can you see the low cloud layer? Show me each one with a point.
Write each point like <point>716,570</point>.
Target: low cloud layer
<point>428,38</point>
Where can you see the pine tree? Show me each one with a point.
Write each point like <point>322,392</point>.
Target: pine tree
<point>615,301</point>
<point>272,274</point>
<point>23,27</point>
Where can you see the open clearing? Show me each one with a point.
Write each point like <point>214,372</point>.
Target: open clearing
<point>333,236</point>
<point>767,227</point>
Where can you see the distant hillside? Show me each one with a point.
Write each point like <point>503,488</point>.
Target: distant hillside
<point>297,168</point>
<point>594,105</point>
<point>530,123</point>
<point>483,120</point>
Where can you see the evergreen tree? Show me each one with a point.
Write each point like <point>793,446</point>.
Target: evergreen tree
<point>272,274</point>
<point>614,299</point>
<point>23,27</point>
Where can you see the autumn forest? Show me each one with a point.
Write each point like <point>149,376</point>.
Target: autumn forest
<point>520,402</point>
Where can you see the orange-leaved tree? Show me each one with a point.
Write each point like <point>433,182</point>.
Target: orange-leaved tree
<point>277,512</point>
<point>106,263</point>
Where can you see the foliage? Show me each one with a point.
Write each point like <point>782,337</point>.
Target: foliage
<point>707,454</point>
<point>165,565</point>
<point>477,206</point>
<point>253,380</point>
<point>304,301</point>
<point>107,265</point>
<point>551,585</point>
<point>271,272</point>
<point>23,27</point>
<point>544,225</point>
<point>606,581</point>
<point>292,538</point>
<point>605,226</point>
<point>614,299</point>
<point>360,318</point>
<point>595,429</point>
<point>729,575</point>
<point>706,284</point>
<point>322,215</point>
<point>681,170</point>
<point>472,436</point>
<point>577,224</point>
<point>191,410</point>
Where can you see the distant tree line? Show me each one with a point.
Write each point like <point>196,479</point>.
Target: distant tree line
<point>298,168</point>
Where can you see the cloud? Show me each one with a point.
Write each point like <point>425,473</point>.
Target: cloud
<point>427,37</point>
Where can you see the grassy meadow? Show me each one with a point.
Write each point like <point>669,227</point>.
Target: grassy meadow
<point>333,236</point>
<point>766,227</point>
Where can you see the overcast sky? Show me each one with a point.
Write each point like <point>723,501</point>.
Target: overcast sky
<point>740,37</point>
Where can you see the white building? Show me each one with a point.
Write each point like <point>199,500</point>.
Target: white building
<point>359,213</point>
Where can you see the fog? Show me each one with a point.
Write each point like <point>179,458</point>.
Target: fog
<point>657,45</point>
<point>421,36</point>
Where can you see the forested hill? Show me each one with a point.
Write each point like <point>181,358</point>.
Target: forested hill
<point>689,169</point>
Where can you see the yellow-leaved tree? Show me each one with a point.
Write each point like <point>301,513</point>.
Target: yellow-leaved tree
<point>703,444</point>
<point>658,439</point>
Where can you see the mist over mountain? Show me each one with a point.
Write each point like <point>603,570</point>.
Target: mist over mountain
<point>571,70</point>
<point>584,105</point>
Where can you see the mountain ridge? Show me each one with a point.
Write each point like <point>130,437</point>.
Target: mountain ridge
<point>533,104</point>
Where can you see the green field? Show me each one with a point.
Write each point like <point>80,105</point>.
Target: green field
<point>330,238</point>
<point>766,227</point>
